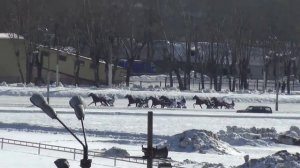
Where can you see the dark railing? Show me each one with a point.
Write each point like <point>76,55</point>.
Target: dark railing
<point>74,151</point>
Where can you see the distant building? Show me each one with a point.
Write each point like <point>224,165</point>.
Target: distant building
<point>13,58</point>
<point>67,66</point>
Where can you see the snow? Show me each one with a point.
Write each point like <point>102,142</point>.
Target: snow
<point>279,159</point>
<point>10,36</point>
<point>125,127</point>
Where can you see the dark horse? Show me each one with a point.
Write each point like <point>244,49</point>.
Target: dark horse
<point>200,101</point>
<point>96,99</point>
<point>230,105</point>
<point>156,102</point>
<point>164,98</point>
<point>181,103</point>
<point>170,103</point>
<point>137,101</point>
<point>221,103</point>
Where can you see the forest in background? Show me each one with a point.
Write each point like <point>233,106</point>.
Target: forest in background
<point>113,29</point>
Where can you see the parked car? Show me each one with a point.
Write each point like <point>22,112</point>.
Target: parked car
<point>256,109</point>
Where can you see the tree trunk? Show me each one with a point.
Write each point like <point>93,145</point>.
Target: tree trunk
<point>288,78</point>
<point>171,78</point>
<point>233,84</point>
<point>180,83</point>
<point>128,72</point>
<point>202,81</point>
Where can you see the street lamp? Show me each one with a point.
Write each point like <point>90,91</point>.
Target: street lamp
<point>77,104</point>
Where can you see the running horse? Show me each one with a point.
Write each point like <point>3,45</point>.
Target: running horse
<point>200,101</point>
<point>97,99</point>
<point>131,100</point>
<point>221,103</point>
<point>156,102</point>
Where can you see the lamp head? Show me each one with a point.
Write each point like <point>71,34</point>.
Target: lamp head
<point>62,163</point>
<point>77,104</point>
<point>39,101</point>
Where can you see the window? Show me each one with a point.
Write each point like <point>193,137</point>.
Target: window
<point>62,58</point>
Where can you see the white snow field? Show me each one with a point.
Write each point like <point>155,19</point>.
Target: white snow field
<point>126,127</point>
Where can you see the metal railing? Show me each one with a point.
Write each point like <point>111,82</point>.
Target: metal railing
<point>74,151</point>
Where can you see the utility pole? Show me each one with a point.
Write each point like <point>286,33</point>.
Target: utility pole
<point>150,140</point>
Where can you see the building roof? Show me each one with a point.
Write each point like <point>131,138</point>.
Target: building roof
<point>10,36</point>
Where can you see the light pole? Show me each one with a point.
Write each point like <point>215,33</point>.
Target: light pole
<point>77,104</point>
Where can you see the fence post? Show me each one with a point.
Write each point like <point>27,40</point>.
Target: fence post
<point>2,143</point>
<point>141,83</point>
<point>159,83</point>
<point>74,152</point>
<point>115,162</point>
<point>39,150</point>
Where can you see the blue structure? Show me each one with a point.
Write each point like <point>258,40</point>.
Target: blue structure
<point>139,67</point>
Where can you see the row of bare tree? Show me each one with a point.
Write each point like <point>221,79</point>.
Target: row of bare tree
<point>112,29</point>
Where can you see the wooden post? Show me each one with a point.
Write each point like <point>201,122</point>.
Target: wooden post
<point>2,143</point>
<point>39,151</point>
<point>141,83</point>
<point>74,153</point>
<point>159,83</point>
<point>150,139</point>
<point>115,162</point>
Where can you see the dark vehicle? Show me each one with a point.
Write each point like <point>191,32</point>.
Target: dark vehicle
<point>256,109</point>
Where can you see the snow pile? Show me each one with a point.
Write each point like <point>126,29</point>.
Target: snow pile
<point>3,84</point>
<point>193,164</point>
<point>290,137</point>
<point>281,159</point>
<point>201,141</point>
<point>115,152</point>
<point>243,136</point>
<point>293,132</point>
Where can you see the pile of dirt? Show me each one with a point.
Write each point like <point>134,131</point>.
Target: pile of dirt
<point>281,159</point>
<point>238,136</point>
<point>115,152</point>
<point>201,141</point>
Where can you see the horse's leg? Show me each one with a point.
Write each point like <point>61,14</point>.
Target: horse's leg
<point>91,103</point>
<point>194,105</point>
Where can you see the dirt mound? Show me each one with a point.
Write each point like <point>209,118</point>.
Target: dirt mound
<point>281,159</point>
<point>238,136</point>
<point>201,141</point>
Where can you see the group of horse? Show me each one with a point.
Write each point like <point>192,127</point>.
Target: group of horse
<point>213,103</point>
<point>163,101</point>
